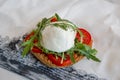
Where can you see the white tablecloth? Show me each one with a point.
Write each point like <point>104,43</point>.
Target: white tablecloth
<point>101,18</point>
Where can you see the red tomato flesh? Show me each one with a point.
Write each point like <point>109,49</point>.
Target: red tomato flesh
<point>86,36</point>
<point>36,50</point>
<point>54,19</point>
<point>58,60</point>
<point>29,36</point>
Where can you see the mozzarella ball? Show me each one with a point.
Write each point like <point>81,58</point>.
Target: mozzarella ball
<point>57,39</point>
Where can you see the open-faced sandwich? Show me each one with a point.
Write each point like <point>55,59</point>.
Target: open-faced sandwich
<point>59,43</point>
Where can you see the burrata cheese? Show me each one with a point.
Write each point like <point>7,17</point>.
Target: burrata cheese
<point>57,39</point>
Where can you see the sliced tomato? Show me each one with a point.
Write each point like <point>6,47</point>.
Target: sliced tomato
<point>86,36</point>
<point>35,49</point>
<point>57,61</point>
<point>29,36</point>
<point>54,19</point>
<point>35,41</point>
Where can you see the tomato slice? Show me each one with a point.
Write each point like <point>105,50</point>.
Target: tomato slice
<point>35,49</point>
<point>54,19</point>
<point>86,36</point>
<point>29,36</point>
<point>57,61</point>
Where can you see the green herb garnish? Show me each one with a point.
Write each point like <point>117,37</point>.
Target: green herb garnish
<point>29,43</point>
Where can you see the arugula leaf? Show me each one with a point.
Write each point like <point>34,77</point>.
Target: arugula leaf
<point>86,51</point>
<point>29,43</point>
<point>71,53</point>
<point>64,25</point>
<point>25,43</point>
<point>94,58</point>
<point>27,49</point>
<point>93,51</point>
<point>61,25</point>
<point>73,26</point>
<point>58,17</point>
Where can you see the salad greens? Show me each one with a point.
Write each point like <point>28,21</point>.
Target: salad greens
<point>79,48</point>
